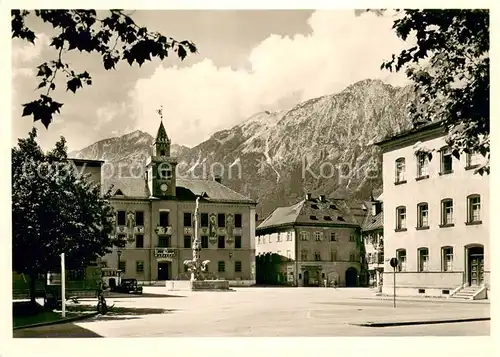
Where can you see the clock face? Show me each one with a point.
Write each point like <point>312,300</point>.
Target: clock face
<point>164,187</point>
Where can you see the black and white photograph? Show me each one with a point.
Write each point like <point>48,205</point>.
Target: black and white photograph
<point>249,172</point>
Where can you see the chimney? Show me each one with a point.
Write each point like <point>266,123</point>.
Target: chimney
<point>322,198</point>
<point>218,179</point>
<point>308,196</point>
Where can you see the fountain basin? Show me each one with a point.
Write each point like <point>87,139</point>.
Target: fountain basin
<point>211,285</point>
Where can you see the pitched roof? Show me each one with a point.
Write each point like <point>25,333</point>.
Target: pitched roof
<point>372,222</point>
<point>212,190</point>
<point>283,215</point>
<point>185,190</point>
<point>313,212</point>
<point>129,187</point>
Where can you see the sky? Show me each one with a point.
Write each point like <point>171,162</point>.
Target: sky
<point>247,61</point>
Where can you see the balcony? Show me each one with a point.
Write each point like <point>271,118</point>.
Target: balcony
<point>121,229</point>
<point>163,230</point>
<point>164,253</point>
<point>139,229</point>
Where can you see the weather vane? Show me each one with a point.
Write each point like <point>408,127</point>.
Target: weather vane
<point>160,112</point>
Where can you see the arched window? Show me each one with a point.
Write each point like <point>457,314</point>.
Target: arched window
<point>400,170</point>
<point>422,165</point>
<point>447,258</point>
<point>423,215</point>
<point>401,257</point>
<point>317,236</point>
<point>446,212</point>
<point>473,160</point>
<point>423,259</point>
<point>446,160</point>
<point>401,218</point>
<point>474,208</point>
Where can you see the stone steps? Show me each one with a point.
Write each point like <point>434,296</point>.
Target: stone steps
<point>466,293</point>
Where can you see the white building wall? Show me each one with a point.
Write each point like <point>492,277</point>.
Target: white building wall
<point>457,186</point>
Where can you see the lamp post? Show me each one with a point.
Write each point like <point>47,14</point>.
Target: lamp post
<point>118,253</point>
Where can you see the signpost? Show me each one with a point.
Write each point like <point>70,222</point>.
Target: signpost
<point>63,286</point>
<point>394,264</point>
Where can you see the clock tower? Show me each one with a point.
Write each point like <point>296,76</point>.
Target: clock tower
<point>161,166</point>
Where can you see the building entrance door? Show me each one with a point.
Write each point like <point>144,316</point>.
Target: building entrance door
<point>351,277</point>
<point>164,270</point>
<point>306,278</point>
<point>476,266</point>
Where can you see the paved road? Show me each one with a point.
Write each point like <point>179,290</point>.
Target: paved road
<point>272,312</point>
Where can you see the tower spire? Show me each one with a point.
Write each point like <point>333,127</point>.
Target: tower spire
<point>161,135</point>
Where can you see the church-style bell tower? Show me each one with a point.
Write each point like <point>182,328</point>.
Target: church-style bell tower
<point>161,166</point>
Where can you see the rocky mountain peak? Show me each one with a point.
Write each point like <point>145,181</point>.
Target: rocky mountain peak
<point>323,146</point>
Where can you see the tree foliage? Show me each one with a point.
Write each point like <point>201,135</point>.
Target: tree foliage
<point>453,86</point>
<point>55,210</point>
<point>114,38</point>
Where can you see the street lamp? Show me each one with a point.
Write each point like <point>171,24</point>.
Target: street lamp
<point>119,253</point>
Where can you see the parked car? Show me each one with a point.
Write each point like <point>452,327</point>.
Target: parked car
<point>128,286</point>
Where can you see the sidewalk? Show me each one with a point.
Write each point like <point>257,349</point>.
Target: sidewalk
<point>421,299</point>
<point>413,312</point>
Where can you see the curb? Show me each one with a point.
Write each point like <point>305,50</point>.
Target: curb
<point>433,300</point>
<point>62,321</point>
<point>429,322</point>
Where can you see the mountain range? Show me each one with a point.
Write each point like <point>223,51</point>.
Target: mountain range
<point>321,146</point>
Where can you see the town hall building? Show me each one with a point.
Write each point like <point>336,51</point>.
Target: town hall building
<point>155,215</point>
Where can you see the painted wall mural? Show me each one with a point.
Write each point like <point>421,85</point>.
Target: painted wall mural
<point>229,228</point>
<point>130,225</point>
<point>212,225</point>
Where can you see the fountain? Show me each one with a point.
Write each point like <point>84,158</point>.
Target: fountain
<point>197,267</point>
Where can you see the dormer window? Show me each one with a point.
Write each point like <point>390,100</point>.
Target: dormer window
<point>118,193</point>
<point>314,207</point>
<point>376,208</point>
<point>328,218</point>
<point>314,218</point>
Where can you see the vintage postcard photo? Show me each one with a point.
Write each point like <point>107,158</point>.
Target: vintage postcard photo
<point>250,173</point>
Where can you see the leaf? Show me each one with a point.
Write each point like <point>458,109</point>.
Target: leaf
<point>73,84</point>
<point>57,42</point>
<point>181,52</point>
<point>44,70</point>
<point>55,107</point>
<point>28,108</point>
<point>42,84</point>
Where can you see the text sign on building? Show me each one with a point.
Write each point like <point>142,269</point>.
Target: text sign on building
<point>164,253</point>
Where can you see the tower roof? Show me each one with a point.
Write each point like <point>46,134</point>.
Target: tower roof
<point>161,136</point>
